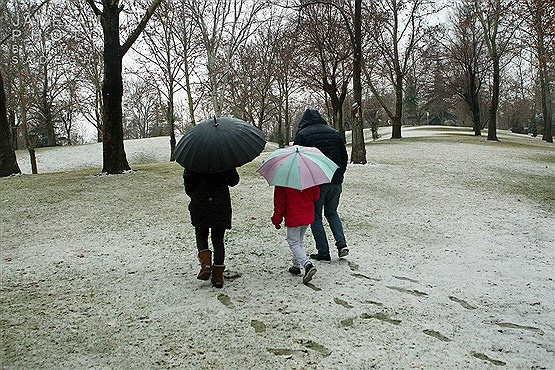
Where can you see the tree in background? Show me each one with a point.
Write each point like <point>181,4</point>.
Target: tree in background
<point>499,25</point>
<point>540,37</point>
<point>352,17</point>
<point>286,81</point>
<point>396,29</point>
<point>327,56</point>
<point>251,96</point>
<point>8,161</point>
<point>161,61</point>
<point>85,56</point>
<point>142,109</point>
<point>224,26</point>
<point>464,51</point>
<point>114,158</point>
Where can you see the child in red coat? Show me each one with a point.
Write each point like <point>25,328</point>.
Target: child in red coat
<point>297,207</point>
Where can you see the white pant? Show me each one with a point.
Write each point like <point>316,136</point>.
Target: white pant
<point>295,236</point>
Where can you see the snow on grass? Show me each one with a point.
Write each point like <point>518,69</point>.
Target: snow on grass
<point>452,243</point>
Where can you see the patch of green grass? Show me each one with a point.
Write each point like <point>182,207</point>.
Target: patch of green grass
<point>537,187</point>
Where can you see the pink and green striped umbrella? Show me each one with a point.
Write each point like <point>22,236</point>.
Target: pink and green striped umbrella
<point>297,167</point>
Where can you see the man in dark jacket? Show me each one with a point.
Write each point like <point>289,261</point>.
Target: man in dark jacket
<point>314,131</point>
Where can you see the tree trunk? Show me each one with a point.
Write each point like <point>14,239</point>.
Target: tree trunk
<point>396,121</point>
<point>8,160</point>
<point>473,101</point>
<point>546,100</point>
<point>46,110</point>
<point>13,130</point>
<point>114,158</point>
<point>28,143</point>
<point>492,119</point>
<point>337,106</point>
<point>476,123</point>
<point>188,89</point>
<point>172,127</point>
<point>287,120</point>
<point>358,150</point>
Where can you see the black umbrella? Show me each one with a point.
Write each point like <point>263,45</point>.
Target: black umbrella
<point>219,144</point>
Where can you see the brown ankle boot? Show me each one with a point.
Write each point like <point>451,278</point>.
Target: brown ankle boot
<point>205,258</point>
<point>218,275</point>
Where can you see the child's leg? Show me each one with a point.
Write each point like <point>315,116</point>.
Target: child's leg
<point>201,234</point>
<point>295,241</point>
<point>217,237</point>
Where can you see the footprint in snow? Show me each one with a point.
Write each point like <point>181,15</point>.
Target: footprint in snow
<point>346,322</point>
<point>259,326</point>
<point>409,291</point>
<point>462,303</point>
<point>437,335</point>
<point>342,303</point>
<point>353,266</point>
<point>382,317</point>
<point>523,327</point>
<point>313,287</point>
<point>361,276</point>
<point>406,279</point>
<point>481,356</point>
<point>225,300</point>
<point>315,346</point>
<point>285,351</point>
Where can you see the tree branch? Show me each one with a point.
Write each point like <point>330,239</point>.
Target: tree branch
<point>140,27</point>
<point>23,23</point>
<point>93,6</point>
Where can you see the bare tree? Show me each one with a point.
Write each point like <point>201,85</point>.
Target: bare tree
<point>114,158</point>
<point>353,23</point>
<point>8,161</point>
<point>395,32</point>
<point>141,109</point>
<point>254,74</point>
<point>327,64</point>
<point>85,52</point>
<point>540,36</point>
<point>287,83</point>
<point>225,25</point>
<point>464,49</point>
<point>188,34</point>
<point>499,27</point>
<point>162,60</point>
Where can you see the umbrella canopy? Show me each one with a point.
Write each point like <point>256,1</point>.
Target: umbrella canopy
<point>218,145</point>
<point>298,167</point>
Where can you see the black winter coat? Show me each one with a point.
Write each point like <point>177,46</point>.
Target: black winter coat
<point>315,132</point>
<point>210,204</point>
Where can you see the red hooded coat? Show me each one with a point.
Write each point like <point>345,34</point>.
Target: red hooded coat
<point>296,206</point>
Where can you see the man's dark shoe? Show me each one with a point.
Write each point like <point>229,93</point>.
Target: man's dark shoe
<point>343,252</point>
<point>309,271</point>
<point>295,270</point>
<point>318,257</point>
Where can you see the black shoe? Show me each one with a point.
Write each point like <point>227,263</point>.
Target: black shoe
<point>295,270</point>
<point>318,257</point>
<point>343,252</point>
<point>309,271</point>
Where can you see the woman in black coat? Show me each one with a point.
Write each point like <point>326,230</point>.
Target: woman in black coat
<point>210,210</point>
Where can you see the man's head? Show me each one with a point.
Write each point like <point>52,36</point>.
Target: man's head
<point>311,116</point>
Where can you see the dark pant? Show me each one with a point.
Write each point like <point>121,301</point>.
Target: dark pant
<point>217,237</point>
<point>328,203</point>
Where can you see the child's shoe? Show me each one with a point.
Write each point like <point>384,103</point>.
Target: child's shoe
<point>309,271</point>
<point>295,270</point>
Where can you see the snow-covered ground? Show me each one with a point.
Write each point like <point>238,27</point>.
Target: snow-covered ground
<point>452,264</point>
